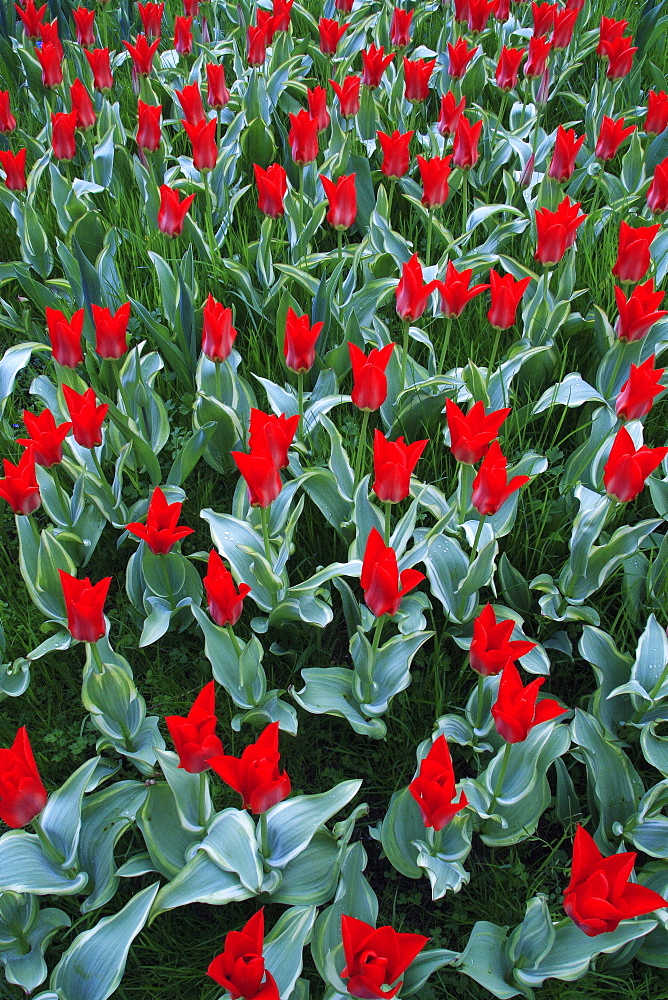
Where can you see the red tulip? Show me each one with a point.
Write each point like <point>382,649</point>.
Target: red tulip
<point>412,294</point>
<point>543,17</point>
<point>435,174</point>
<point>376,957</point>
<point>111,331</point>
<point>539,49</point>
<point>218,334</point>
<point>148,128</point>
<point>479,13</point>
<point>183,36</point>
<point>161,532</point>
<point>374,64</point>
<point>491,487</point>
<point>345,6</point>
<point>599,895</point>
<point>516,710</point>
<point>267,22</point>
<point>203,141</point>
<point>656,119</point>
<point>502,10</point>
<point>611,137</point>
<point>190,100</point>
<point>638,313</point>
<point>191,8</point>
<point>633,257</point>
<point>564,23</point>
<point>272,186</point>
<point>98,60</point>
<point>65,337</point>
<point>416,79</point>
<point>400,27</point>
<point>506,294</point>
<point>609,31</point>
<point>256,775</point>
<point>492,648</point>
<point>331,33</point>
<point>142,54</point>
<point>22,794</point>
<point>383,585</point>
<point>281,10</point>
<point>459,56</point>
<point>619,54</point>
<point>567,147</point>
<point>317,107</point>
<point>84,20</point>
<point>303,137</point>
<point>194,735</point>
<point>7,119</point>
<point>51,62</point>
<point>172,213</point>
<point>471,435</point>
<point>63,136</point>
<point>370,382</point>
<point>348,94</point>
<point>657,194</point>
<point>342,198</point>
<point>450,113</point>
<point>273,434</point>
<point>434,788</point>
<point>49,35</point>
<point>455,291</point>
<point>224,600</point>
<point>465,148</point>
<point>637,395</point>
<point>262,478</point>
<point>240,968</point>
<point>151,18</point>
<point>395,153</point>
<point>19,487</point>
<point>14,166</point>
<point>556,231</point>
<point>217,94</point>
<point>83,105</point>
<point>257,45</point>
<point>627,468</point>
<point>393,465</point>
<point>86,416</point>
<point>507,69</point>
<point>299,342</point>
<point>462,11</point>
<point>84,606</point>
<point>31,18</point>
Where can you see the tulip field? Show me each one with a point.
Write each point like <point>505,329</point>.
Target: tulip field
<point>334,440</point>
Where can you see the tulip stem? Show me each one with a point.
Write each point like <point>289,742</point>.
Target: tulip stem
<point>300,399</point>
<point>361,448</point>
<point>502,773</point>
<point>218,381</point>
<point>263,838</point>
<point>481,688</point>
<point>388,521</point>
<point>465,199</point>
<point>615,371</point>
<point>47,846</point>
<point>474,547</point>
<point>97,659</point>
<point>446,341</point>
<point>376,637</point>
<point>168,582</point>
<point>389,203</point>
<point>492,357</point>
<point>233,639</point>
<point>430,226</point>
<point>264,518</point>
<point>301,204</point>
<point>208,214</point>
<point>201,804</point>
<point>121,388</point>
<point>404,355</point>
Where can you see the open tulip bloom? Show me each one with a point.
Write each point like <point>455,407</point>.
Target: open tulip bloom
<point>22,793</point>
<point>255,775</point>
<point>240,968</point>
<point>194,735</point>
<point>84,605</point>
<point>376,957</point>
<point>516,710</point>
<point>434,787</point>
<point>161,532</point>
<point>383,585</point>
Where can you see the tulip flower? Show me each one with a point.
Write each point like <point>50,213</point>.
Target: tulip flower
<point>194,735</point>
<point>272,434</point>
<point>148,128</point>
<point>478,15</point>
<point>556,231</point>
<point>218,334</point>
<point>656,119</point>
<point>281,10</point>
<point>619,54</point>
<point>657,194</point>
<point>636,397</point>
<point>345,6</point>
<point>14,166</point>
<point>45,438</point>
<point>142,54</point>
<point>22,793</point>
<point>465,147</point>
<point>434,787</point>
<point>111,330</point>
<point>31,18</point>
<point>257,45</point>
<point>272,186</point>
<point>543,17</point>
<point>395,153</point>
<point>455,291</point>
<point>191,8</point>
<point>348,94</point>
<point>19,486</point>
<point>256,775</point>
<point>370,382</point>
<point>516,710</point>
<point>63,136</point>
<point>416,79</point>
<point>7,119</point>
<point>65,336</point>
<point>190,100</point>
<point>376,957</point>
<point>183,36</point>
<point>491,648</point>
<point>299,341</point>
<point>471,435</point>
<point>50,36</point>
<point>507,68</point>
<point>627,468</point>
<point>86,416</point>
<point>224,600</point>
<point>506,294</point>
<point>450,113</point>
<point>342,198</point>
<point>374,64</point>
<point>266,21</point>
<point>217,94</point>
<point>172,212</point>
<point>539,49</point>
<point>331,33</point>
<point>240,968</point>
<point>98,60</point>
<point>638,313</point>
<point>459,57</point>
<point>203,141</point>
<point>609,31</point>
<point>435,174</point>
<point>564,24</point>
<point>51,62</point>
<point>633,257</point>
<point>303,138</point>
<point>611,137</point>
<point>262,477</point>
<point>491,487</point>
<point>84,20</point>
<point>383,585</point>
<point>412,294</point>
<point>161,532</point>
<point>82,105</point>
<point>599,895</point>
<point>84,604</point>
<point>400,27</point>
<point>502,10</point>
<point>393,465</point>
<point>151,18</point>
<point>567,147</point>
<point>317,106</point>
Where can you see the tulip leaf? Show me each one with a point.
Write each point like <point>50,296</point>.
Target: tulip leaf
<point>292,823</point>
<point>14,360</point>
<point>328,690</point>
<point>241,546</point>
<point>284,946</point>
<point>486,961</point>
<point>311,877</point>
<point>200,881</point>
<point>166,840</point>
<point>572,391</point>
<point>187,791</point>
<point>611,669</point>
<point>24,867</point>
<point>61,817</point>
<point>231,841</point>
<point>25,933</point>
<point>238,668</point>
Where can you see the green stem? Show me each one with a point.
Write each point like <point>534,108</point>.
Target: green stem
<point>404,355</point>
<point>117,363</point>
<point>444,349</point>
<point>264,518</point>
<point>300,401</point>
<point>430,227</point>
<point>376,637</point>
<point>492,357</point>
<point>388,521</point>
<point>474,547</point>
<point>502,773</point>
<point>361,448</point>
<point>481,685</point>
<point>97,659</point>
<point>218,381</point>
<point>465,199</point>
<point>233,638</point>
<point>208,212</point>
<point>264,836</point>
<point>301,203</point>
<point>168,582</point>
<point>390,198</point>
<point>47,846</point>
<point>201,805</point>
